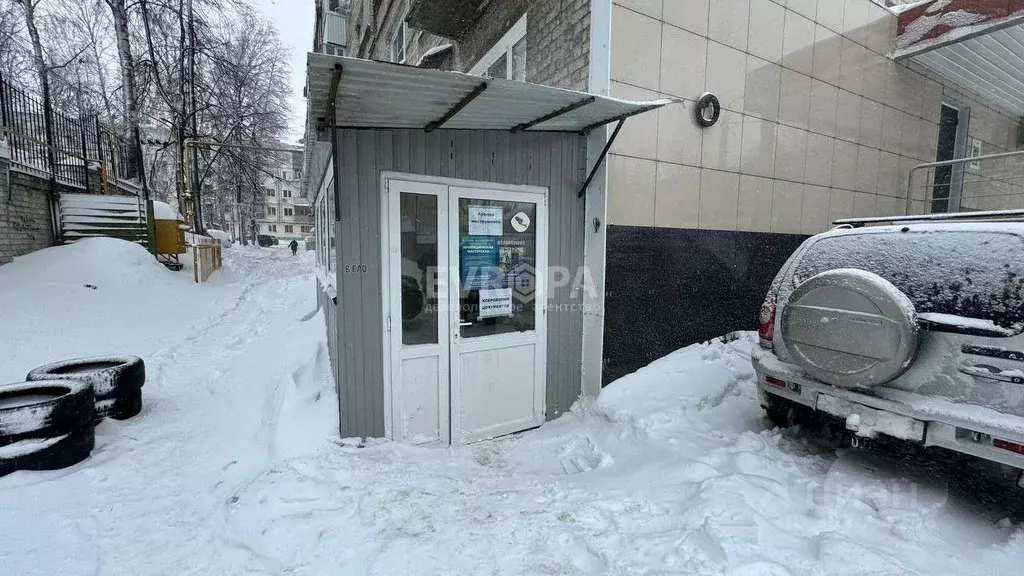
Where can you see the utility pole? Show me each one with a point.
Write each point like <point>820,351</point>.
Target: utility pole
<point>196,185</point>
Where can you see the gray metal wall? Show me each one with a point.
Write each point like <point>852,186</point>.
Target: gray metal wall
<point>319,156</point>
<point>555,161</point>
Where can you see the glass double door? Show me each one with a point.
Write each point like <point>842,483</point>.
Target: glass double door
<point>467,271</point>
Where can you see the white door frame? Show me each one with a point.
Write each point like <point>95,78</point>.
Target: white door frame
<point>392,388</point>
<point>394,351</point>
<point>538,338</point>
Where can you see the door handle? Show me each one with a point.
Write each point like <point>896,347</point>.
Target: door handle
<point>993,373</point>
<point>465,323</point>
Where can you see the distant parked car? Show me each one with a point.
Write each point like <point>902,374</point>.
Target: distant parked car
<point>910,328</point>
<point>266,240</point>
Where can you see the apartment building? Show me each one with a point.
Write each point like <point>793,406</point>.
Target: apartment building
<point>287,212</point>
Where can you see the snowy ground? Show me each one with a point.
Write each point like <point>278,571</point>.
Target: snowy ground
<point>234,466</point>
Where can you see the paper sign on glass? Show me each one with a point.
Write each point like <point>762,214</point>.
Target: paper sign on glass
<point>485,220</point>
<point>495,302</point>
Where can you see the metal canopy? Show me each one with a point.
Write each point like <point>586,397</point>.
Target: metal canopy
<point>977,45</point>
<point>373,94</point>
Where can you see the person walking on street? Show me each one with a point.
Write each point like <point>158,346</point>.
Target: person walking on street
<point>294,246</point>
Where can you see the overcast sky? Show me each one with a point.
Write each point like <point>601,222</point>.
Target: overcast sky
<point>294,22</point>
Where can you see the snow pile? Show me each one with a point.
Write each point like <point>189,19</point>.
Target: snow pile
<point>90,260</point>
<point>671,471</point>
<point>433,52</point>
<point>221,236</point>
<point>163,211</point>
<point>237,378</point>
<point>924,24</point>
<point>234,466</point>
<point>963,323</point>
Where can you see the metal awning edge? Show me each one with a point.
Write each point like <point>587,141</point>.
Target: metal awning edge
<point>957,35</point>
<point>318,82</point>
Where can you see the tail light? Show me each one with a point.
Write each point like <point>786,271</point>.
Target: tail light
<point>766,323</point>
<point>1011,446</point>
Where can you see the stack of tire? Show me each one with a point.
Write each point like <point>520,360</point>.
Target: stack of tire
<point>48,422</point>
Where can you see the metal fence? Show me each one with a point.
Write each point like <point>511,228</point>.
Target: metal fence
<point>991,182</point>
<point>77,143</point>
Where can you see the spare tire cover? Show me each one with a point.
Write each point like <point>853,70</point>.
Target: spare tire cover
<point>850,328</point>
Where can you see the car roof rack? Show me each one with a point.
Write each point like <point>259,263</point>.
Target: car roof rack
<point>985,216</point>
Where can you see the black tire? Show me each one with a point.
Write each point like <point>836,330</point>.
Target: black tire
<point>44,409</point>
<point>51,454</point>
<point>123,407</point>
<point>109,376</point>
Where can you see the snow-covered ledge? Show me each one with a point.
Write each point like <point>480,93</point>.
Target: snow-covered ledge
<point>326,280</point>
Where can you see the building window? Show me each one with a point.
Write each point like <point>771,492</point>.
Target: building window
<point>286,193</point>
<point>271,211</point>
<point>303,210</point>
<point>272,228</point>
<point>306,229</point>
<point>287,228</point>
<point>289,212</point>
<point>270,192</point>
<point>507,59</point>
<point>398,43</point>
<point>285,176</point>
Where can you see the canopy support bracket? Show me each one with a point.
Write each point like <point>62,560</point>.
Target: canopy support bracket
<point>329,117</point>
<point>640,110</point>
<point>555,114</point>
<point>456,109</point>
<point>601,157</point>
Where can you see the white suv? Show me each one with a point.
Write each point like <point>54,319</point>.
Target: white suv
<point>910,327</point>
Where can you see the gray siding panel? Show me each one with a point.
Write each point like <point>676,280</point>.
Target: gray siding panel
<point>539,159</point>
<point>345,182</point>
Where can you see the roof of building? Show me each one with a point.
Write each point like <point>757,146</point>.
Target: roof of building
<point>373,94</point>
<point>978,44</point>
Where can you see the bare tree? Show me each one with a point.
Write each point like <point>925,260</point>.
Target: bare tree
<point>14,59</point>
<point>119,13</point>
<point>210,70</point>
<point>44,83</point>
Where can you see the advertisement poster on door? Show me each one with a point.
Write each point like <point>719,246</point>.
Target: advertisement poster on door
<point>479,263</point>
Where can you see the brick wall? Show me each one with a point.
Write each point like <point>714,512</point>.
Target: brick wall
<point>557,38</point>
<point>24,214</point>
<point>558,43</point>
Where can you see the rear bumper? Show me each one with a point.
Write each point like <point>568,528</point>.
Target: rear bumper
<point>868,415</point>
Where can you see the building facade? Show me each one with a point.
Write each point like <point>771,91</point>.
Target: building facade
<point>539,41</point>
<point>818,122</point>
<point>826,108</point>
<point>287,212</point>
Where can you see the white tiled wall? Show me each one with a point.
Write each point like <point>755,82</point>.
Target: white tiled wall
<point>817,123</point>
